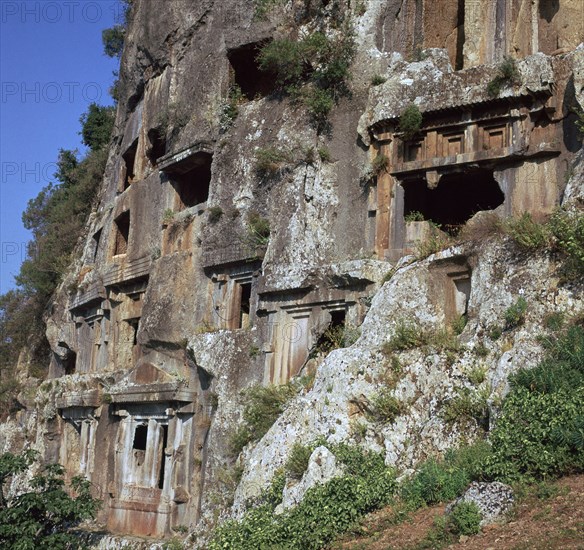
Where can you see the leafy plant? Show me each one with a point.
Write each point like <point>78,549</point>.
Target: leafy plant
<point>325,511</point>
<point>527,233</point>
<point>262,406</point>
<point>435,241</point>
<point>568,231</point>
<point>467,405</point>
<point>385,407</point>
<point>297,462</point>
<point>229,109</point>
<point>407,335</point>
<point>43,515</point>
<point>377,80</point>
<point>507,75</point>
<point>270,160</point>
<point>97,125</point>
<point>379,164</point>
<point>458,324</point>
<point>168,216</point>
<point>258,230</point>
<point>215,213</point>
<point>324,154</point>
<point>410,121</point>
<point>414,216</point>
<point>515,314</point>
<point>336,337</point>
<point>464,519</point>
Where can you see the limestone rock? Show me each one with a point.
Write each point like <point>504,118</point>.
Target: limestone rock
<point>494,500</point>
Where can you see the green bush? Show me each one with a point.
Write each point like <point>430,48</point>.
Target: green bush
<point>324,154</point>
<point>262,406</point>
<point>467,405</point>
<point>507,75</point>
<point>407,335</point>
<point>410,121</point>
<point>414,216</point>
<point>229,108</point>
<point>538,432</point>
<point>43,515</point>
<point>515,314</point>
<point>464,519</point>
<point>568,231</point>
<point>377,80</point>
<point>385,407</point>
<point>325,512</point>
<point>258,230</point>
<point>97,125</point>
<point>434,482</point>
<point>297,462</point>
<point>380,164</point>
<point>215,213</point>
<point>270,160</point>
<point>527,233</point>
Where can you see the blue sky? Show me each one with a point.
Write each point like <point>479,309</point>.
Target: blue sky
<point>51,67</point>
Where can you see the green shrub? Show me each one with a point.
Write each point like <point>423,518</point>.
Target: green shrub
<point>229,108</point>
<point>414,216</point>
<point>554,321</point>
<point>215,213</point>
<point>458,323</point>
<point>464,519</point>
<point>527,233</point>
<point>336,337</point>
<point>407,335</point>
<point>297,462</point>
<point>515,314</point>
<point>324,154</point>
<point>435,241</point>
<point>377,80</point>
<point>467,405</point>
<point>385,407</point>
<point>507,75</point>
<point>494,332</point>
<point>262,405</point>
<point>258,230</point>
<point>325,512</point>
<point>379,164</point>
<point>270,160</point>
<point>43,515</point>
<point>410,121</point>
<point>568,231</point>
<point>434,482</point>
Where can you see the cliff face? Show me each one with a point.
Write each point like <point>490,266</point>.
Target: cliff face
<point>223,247</point>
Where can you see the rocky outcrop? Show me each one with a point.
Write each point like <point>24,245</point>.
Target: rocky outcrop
<point>206,270</point>
<point>494,500</point>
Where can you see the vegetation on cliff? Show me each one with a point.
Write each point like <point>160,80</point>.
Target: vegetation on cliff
<point>56,217</point>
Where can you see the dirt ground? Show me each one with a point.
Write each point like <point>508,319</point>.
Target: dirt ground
<point>550,520</point>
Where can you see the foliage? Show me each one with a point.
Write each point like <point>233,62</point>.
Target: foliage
<point>435,241</point>
<point>230,108</point>
<point>97,125</point>
<point>410,121</point>
<point>262,406</point>
<point>258,230</point>
<point>336,337</point>
<point>314,69</point>
<point>414,216</point>
<point>270,160</point>
<point>56,218</point>
<point>379,164</point>
<point>538,432</point>
<point>215,213</point>
<point>464,519</point>
<point>377,80</point>
<point>507,75</point>
<point>113,40</point>
<point>385,407</point>
<point>467,405</point>
<point>434,482</point>
<point>458,324</point>
<point>297,462</point>
<point>324,154</point>
<point>43,516</point>
<point>325,511</point>
<point>579,119</point>
<point>407,335</point>
<point>515,314</point>
<point>527,233</point>
<point>568,231</point>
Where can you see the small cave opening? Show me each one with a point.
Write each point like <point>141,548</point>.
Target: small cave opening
<point>122,225</point>
<point>192,179</point>
<point>246,73</point>
<point>456,198</point>
<point>244,305</point>
<point>129,158</point>
<point>157,149</point>
<point>70,362</point>
<point>140,437</point>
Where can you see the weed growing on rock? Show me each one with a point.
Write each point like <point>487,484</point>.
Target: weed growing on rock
<point>297,462</point>
<point>468,405</point>
<point>410,121</point>
<point>385,407</point>
<point>414,216</point>
<point>515,314</point>
<point>215,213</point>
<point>229,109</point>
<point>258,230</point>
<point>379,164</point>
<point>377,80</point>
<point>324,154</point>
<point>435,241</point>
<point>270,160</point>
<point>507,75</point>
<point>527,233</point>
